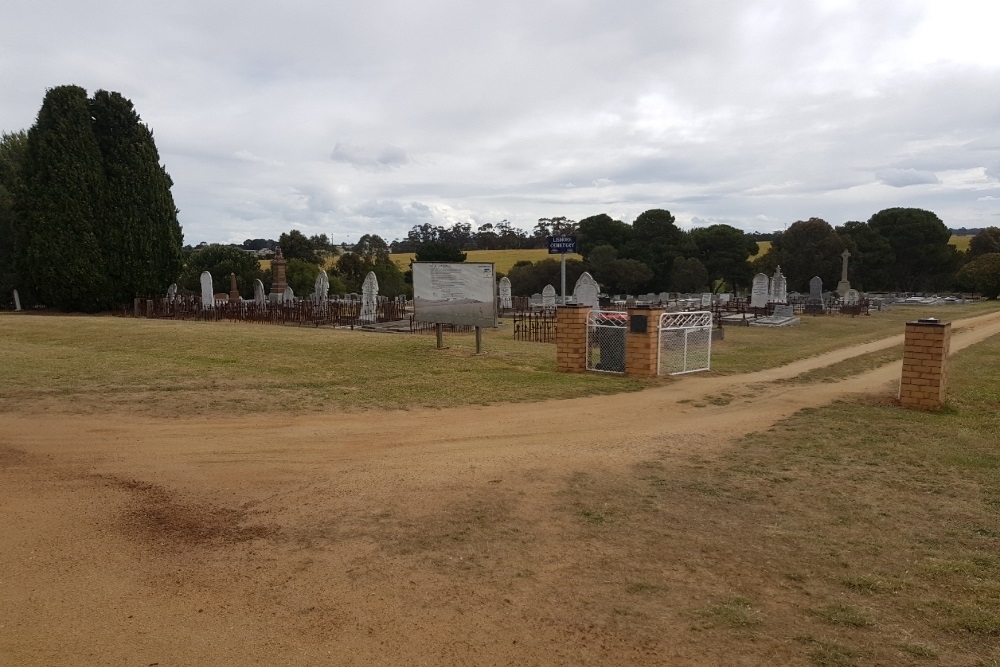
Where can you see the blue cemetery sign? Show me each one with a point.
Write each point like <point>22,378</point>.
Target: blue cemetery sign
<point>560,245</point>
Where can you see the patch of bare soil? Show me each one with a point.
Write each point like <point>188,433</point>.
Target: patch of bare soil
<point>488,535</point>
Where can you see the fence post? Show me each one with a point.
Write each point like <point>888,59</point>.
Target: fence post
<point>642,341</point>
<point>925,354</point>
<point>571,338</point>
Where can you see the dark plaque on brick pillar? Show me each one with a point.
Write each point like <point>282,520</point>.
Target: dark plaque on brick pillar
<point>639,324</point>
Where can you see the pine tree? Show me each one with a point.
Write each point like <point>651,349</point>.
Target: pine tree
<point>57,250</point>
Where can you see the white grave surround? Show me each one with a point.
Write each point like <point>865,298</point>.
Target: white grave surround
<point>506,300</point>
<point>549,297</point>
<point>760,291</point>
<point>207,293</point>
<point>369,298</point>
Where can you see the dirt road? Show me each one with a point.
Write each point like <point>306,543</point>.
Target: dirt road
<point>410,537</point>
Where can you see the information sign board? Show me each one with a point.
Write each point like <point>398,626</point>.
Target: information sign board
<point>455,293</point>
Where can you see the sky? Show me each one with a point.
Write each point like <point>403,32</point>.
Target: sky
<point>345,118</point>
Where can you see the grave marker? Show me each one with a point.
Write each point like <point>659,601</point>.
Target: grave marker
<point>759,292</point>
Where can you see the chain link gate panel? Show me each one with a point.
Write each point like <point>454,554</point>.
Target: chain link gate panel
<point>685,343</point>
<point>606,341</point>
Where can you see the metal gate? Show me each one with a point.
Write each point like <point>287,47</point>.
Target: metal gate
<point>606,341</point>
<point>685,343</point>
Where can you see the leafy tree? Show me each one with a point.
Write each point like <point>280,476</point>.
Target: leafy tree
<point>390,279</point>
<point>625,275</point>
<point>807,248</point>
<point>599,261</point>
<point>439,252</point>
<point>689,275</point>
<point>301,276</point>
<point>56,248</point>
<point>222,260</point>
<point>981,275</point>
<point>352,269</point>
<point>527,278</point>
<point>920,240</point>
<point>985,241</point>
<point>601,230</point>
<point>139,235</point>
<point>724,252</point>
<point>872,258</point>
<point>372,248</point>
<point>296,245</point>
<point>259,244</point>
<point>656,242</point>
<point>12,150</point>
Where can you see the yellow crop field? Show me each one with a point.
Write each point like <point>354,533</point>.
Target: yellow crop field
<point>960,242</point>
<point>503,259</point>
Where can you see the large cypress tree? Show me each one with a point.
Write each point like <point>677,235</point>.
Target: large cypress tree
<point>139,234</point>
<point>57,250</point>
<point>12,150</point>
<point>94,222</point>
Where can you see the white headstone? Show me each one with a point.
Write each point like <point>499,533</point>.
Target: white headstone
<point>759,293</point>
<point>724,298</point>
<point>171,293</point>
<point>852,297</point>
<point>506,301</point>
<point>207,293</point>
<point>369,298</point>
<point>779,287</point>
<point>17,301</point>
<point>259,296</point>
<point>549,297</point>
<point>536,299</point>
<point>289,295</point>
<point>706,299</point>
<point>321,288</point>
<point>586,291</point>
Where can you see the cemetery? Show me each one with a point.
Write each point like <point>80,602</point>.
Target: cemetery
<point>617,474</point>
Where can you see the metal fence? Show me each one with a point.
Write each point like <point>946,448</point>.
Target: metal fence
<point>344,313</point>
<point>606,341</point>
<point>535,326</point>
<point>685,344</point>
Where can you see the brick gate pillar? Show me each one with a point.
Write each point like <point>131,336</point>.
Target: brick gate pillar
<point>925,355</point>
<point>571,338</point>
<point>642,341</point>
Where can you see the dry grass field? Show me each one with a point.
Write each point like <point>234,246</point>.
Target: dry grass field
<point>160,509</point>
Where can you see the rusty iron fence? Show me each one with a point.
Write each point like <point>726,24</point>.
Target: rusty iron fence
<point>537,326</point>
<point>337,312</point>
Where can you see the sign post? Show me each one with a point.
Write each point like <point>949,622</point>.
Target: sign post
<point>560,245</point>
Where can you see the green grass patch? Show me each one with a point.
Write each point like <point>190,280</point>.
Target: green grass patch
<point>87,364</point>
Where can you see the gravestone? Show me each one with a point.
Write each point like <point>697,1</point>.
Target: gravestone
<point>234,292</point>
<point>724,298</point>
<point>536,299</point>
<point>759,292</point>
<point>851,297</point>
<point>258,291</point>
<point>506,301</point>
<point>664,297</point>
<point>814,305</point>
<point>586,291</point>
<point>706,299</point>
<point>278,280</point>
<point>844,286</point>
<point>288,296</point>
<point>779,287</point>
<point>17,301</point>
<point>321,288</point>
<point>207,294</point>
<point>549,297</point>
<point>172,293</point>
<point>369,298</point>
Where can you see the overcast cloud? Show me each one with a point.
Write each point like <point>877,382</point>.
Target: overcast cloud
<point>355,117</point>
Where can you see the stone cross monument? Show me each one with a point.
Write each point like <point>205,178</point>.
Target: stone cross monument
<point>844,285</point>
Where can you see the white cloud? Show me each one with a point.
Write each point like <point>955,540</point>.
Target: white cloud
<point>347,118</point>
